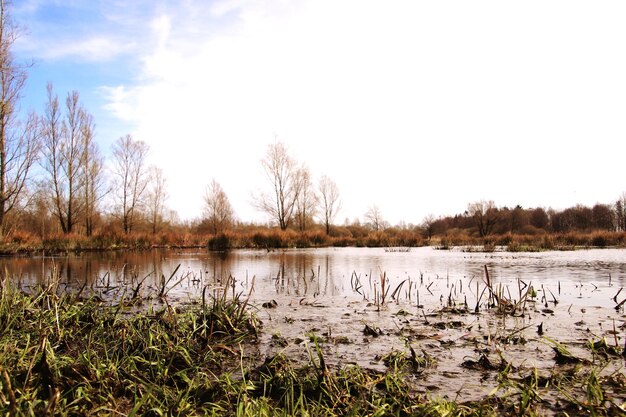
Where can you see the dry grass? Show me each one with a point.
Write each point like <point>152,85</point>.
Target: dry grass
<point>271,238</point>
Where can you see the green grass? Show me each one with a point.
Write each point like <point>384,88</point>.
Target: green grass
<point>59,352</point>
<point>64,355</point>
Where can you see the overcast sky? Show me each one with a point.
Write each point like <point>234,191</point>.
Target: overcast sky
<point>418,107</point>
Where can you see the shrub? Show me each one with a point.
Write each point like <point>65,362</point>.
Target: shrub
<point>220,243</point>
<point>599,240</point>
<point>274,239</point>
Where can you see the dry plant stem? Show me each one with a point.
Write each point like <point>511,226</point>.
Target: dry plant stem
<point>618,293</point>
<point>10,392</point>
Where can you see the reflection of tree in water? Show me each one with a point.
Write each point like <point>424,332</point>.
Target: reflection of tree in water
<point>157,267</point>
<point>219,267</point>
<point>327,274</point>
<point>130,269</point>
<point>295,273</point>
<point>303,274</point>
<point>288,276</point>
<point>59,270</point>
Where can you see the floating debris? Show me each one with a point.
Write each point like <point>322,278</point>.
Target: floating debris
<point>372,331</point>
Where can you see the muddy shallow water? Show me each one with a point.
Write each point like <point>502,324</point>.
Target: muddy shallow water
<point>361,304</point>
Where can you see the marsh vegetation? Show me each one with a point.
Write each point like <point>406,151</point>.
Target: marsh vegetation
<point>323,332</point>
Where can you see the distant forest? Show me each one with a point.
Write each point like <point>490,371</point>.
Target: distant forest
<point>484,219</point>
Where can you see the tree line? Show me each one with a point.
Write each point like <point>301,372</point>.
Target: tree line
<point>484,219</point>
<point>54,180</point>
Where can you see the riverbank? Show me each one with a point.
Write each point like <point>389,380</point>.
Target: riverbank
<point>270,239</point>
<point>67,355</point>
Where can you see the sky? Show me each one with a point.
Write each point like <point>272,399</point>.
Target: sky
<point>416,107</point>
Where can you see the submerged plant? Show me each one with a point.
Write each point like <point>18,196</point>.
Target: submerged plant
<point>414,363</point>
<point>562,355</point>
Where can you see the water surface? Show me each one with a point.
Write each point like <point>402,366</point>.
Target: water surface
<point>327,272</point>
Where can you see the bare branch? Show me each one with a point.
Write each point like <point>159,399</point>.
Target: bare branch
<point>132,179</point>
<point>217,209</point>
<point>286,184</point>
<point>329,201</point>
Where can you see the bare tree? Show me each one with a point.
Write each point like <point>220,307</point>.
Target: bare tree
<point>428,225</point>
<point>485,215</point>
<point>94,185</point>
<point>620,213</point>
<point>157,195</point>
<point>72,155</point>
<point>513,220</point>
<point>284,177</point>
<point>329,201</point>
<point>603,217</point>
<point>63,146</point>
<point>52,131</point>
<point>19,143</point>
<point>40,209</point>
<point>131,177</point>
<point>375,218</point>
<point>217,209</point>
<point>539,218</point>
<point>306,201</point>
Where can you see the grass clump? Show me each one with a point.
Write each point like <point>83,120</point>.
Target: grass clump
<point>60,354</point>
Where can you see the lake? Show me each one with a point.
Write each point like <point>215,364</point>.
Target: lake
<point>325,272</point>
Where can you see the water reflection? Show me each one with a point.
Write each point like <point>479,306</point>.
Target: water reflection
<point>296,273</point>
<point>306,273</point>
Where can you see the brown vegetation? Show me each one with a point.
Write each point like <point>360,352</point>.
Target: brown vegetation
<point>36,230</point>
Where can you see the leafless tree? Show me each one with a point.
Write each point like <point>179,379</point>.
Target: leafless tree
<point>63,145</point>
<point>283,174</point>
<point>603,217</point>
<point>157,195</point>
<point>328,201</point>
<point>52,127</point>
<point>306,201</point>
<point>19,142</point>
<point>620,213</point>
<point>217,209</point>
<point>40,209</point>
<point>485,215</point>
<point>428,225</point>
<point>72,155</point>
<point>94,184</point>
<point>375,218</point>
<point>518,219</point>
<point>539,218</point>
<point>129,157</point>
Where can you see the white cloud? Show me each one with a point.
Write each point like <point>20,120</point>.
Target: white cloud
<point>416,107</point>
<point>97,48</point>
<point>81,31</point>
<point>120,101</point>
<point>162,27</point>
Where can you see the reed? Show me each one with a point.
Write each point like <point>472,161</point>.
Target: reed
<point>65,354</point>
<point>500,296</point>
<point>261,237</point>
